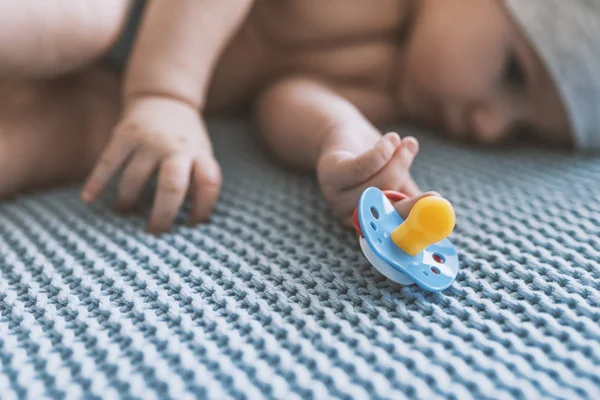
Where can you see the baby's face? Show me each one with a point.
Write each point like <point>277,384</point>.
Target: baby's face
<point>469,70</point>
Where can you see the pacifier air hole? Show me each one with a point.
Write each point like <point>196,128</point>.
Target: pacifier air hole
<point>438,258</point>
<point>399,254</point>
<point>375,212</point>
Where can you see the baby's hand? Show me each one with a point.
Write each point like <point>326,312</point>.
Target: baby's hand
<point>164,135</point>
<point>343,176</point>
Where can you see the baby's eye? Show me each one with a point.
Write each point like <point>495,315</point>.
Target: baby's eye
<point>514,74</point>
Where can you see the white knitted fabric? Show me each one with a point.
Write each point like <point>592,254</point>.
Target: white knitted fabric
<point>273,299</point>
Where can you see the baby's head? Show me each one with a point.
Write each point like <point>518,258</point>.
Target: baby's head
<point>485,69</point>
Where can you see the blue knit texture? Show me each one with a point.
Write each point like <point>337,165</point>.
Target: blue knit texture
<point>274,300</point>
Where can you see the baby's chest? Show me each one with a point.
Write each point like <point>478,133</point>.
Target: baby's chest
<point>306,23</point>
<point>369,63</point>
<point>355,40</point>
<point>345,41</point>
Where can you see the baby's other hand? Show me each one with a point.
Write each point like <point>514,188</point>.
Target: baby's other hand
<point>343,176</point>
<point>164,135</point>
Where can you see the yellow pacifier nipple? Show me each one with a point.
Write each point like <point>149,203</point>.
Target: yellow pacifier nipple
<point>431,220</point>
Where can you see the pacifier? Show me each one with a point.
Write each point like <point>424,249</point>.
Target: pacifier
<point>411,251</point>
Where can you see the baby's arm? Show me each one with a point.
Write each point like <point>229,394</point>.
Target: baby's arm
<point>46,38</point>
<point>178,46</point>
<point>310,125</point>
<point>161,128</point>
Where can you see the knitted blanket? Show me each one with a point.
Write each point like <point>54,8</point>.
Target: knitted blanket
<point>274,300</point>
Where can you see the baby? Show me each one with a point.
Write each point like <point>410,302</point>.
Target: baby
<point>318,75</point>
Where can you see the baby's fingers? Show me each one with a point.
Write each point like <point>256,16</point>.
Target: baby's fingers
<point>411,188</point>
<point>407,151</point>
<point>134,179</point>
<point>172,187</point>
<point>109,163</point>
<point>403,207</point>
<point>356,170</point>
<point>403,159</point>
<point>206,181</point>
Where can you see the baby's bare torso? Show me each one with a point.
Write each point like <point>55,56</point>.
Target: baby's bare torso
<point>351,43</point>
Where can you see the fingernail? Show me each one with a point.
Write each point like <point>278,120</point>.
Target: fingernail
<point>154,230</point>
<point>393,138</point>
<point>411,145</point>
<point>86,197</point>
<point>192,222</point>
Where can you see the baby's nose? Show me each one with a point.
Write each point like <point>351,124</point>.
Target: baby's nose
<point>489,122</point>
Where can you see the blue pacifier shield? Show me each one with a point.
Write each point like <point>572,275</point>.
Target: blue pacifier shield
<point>434,269</point>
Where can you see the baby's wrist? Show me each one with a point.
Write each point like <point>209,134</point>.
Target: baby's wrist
<point>132,100</point>
<point>134,92</point>
<point>329,143</point>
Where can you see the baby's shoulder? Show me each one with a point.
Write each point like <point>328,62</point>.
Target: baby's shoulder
<point>306,22</point>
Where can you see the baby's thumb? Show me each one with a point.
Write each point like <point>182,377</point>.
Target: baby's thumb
<point>368,164</point>
<point>403,207</point>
